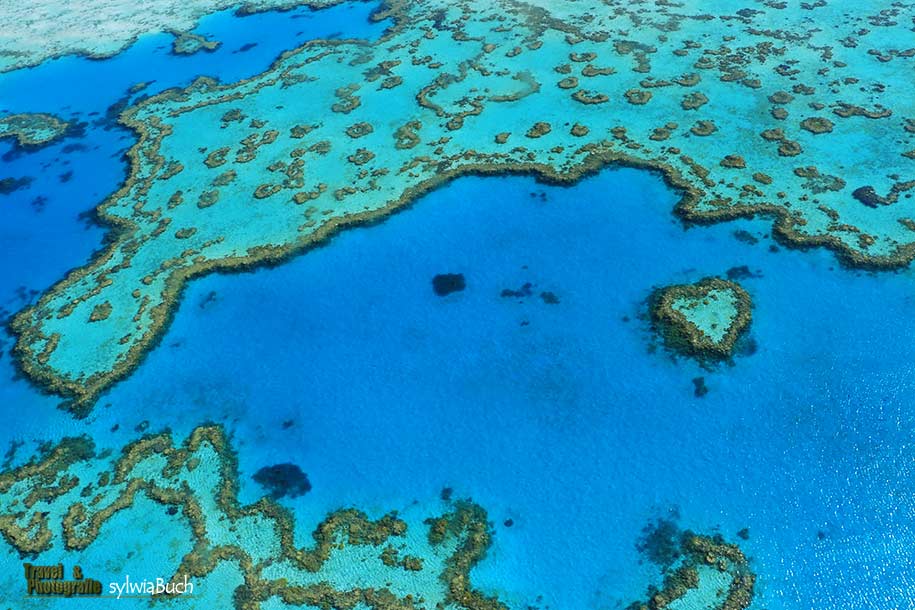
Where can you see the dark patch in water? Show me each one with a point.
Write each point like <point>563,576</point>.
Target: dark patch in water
<point>11,185</point>
<point>742,273</point>
<point>746,346</point>
<point>746,237</point>
<point>281,480</point>
<point>446,283</point>
<point>744,534</point>
<point>699,387</point>
<point>524,291</point>
<point>72,148</point>
<point>38,203</point>
<point>660,542</point>
<point>89,218</point>
<point>24,295</point>
<point>66,176</point>
<point>245,47</point>
<point>208,300</point>
<point>508,523</point>
<point>11,453</point>
<point>541,195</point>
<point>288,424</point>
<point>549,298</point>
<point>111,119</point>
<point>446,494</point>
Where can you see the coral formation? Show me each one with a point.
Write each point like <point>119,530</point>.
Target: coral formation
<point>64,496</point>
<point>188,43</point>
<point>282,480</point>
<point>446,283</point>
<point>262,161</point>
<point>702,320</point>
<point>699,571</point>
<point>39,30</point>
<point>33,130</point>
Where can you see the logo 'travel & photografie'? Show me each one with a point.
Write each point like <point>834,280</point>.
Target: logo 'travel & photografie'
<point>50,581</point>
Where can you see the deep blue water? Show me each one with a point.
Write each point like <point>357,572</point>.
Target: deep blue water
<point>570,425</point>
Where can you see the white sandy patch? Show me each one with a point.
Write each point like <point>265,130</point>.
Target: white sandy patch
<point>36,30</point>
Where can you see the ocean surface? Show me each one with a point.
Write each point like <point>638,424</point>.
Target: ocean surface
<point>568,420</point>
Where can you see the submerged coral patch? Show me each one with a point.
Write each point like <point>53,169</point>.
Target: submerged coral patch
<point>281,480</point>
<point>11,185</point>
<point>446,283</point>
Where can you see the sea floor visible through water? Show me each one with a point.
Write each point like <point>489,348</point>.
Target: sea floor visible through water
<point>566,418</point>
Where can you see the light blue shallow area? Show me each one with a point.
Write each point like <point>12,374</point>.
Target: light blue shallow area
<point>569,425</point>
<point>249,45</point>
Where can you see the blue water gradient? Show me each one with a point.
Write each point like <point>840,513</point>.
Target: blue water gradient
<point>47,227</point>
<point>561,417</point>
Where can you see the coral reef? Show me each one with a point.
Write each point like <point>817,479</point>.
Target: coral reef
<point>188,43</point>
<point>64,496</point>
<point>699,571</point>
<point>33,130</point>
<point>261,160</point>
<point>43,29</point>
<point>702,320</point>
<point>446,283</point>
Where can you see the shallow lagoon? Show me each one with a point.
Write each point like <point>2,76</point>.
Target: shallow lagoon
<point>570,425</point>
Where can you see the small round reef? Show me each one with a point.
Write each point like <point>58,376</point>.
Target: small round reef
<point>282,480</point>
<point>446,283</point>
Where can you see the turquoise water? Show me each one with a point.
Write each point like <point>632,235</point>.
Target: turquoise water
<point>565,418</point>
